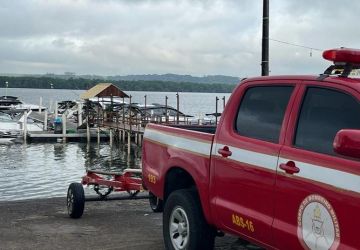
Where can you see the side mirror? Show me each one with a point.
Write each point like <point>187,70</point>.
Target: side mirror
<point>347,143</point>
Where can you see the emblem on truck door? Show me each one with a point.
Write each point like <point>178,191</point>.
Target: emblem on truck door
<point>318,227</point>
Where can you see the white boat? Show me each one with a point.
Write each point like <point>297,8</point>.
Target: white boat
<point>13,103</point>
<point>13,126</point>
<point>106,102</point>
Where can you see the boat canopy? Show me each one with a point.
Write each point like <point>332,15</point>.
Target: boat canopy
<point>103,90</point>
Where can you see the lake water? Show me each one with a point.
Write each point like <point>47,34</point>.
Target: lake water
<point>43,170</point>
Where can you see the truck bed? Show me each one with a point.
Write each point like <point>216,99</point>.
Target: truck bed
<point>167,147</point>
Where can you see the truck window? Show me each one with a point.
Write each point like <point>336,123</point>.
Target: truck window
<point>323,113</point>
<point>262,111</point>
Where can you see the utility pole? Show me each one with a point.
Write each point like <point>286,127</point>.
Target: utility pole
<point>265,40</point>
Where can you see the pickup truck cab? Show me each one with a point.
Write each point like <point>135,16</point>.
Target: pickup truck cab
<point>281,170</point>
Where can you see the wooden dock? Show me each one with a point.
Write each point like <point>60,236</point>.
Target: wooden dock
<point>106,131</point>
<point>102,130</point>
<point>105,125</point>
<point>124,126</point>
<point>125,132</point>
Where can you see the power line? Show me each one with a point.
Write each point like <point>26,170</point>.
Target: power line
<point>295,45</point>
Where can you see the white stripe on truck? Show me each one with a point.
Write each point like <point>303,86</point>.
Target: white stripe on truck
<point>333,177</point>
<point>249,157</point>
<point>198,147</point>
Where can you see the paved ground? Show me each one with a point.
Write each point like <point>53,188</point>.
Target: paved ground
<point>44,224</point>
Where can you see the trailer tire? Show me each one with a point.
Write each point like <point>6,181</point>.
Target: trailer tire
<point>184,225</point>
<point>156,204</point>
<point>75,200</point>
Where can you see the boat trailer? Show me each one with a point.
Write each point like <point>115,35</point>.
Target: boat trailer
<point>104,183</point>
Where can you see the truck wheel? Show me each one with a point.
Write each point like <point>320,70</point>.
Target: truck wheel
<point>155,203</point>
<point>75,200</point>
<point>184,225</point>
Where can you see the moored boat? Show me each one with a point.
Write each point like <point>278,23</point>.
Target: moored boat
<point>12,103</point>
<point>12,126</point>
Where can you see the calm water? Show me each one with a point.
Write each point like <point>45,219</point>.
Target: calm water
<point>45,170</point>
<point>42,170</point>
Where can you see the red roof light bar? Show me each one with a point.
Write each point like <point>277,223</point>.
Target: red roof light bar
<point>342,55</point>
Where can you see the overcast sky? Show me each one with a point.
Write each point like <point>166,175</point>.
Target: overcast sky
<point>197,37</point>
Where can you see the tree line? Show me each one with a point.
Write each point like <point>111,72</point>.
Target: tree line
<point>83,84</point>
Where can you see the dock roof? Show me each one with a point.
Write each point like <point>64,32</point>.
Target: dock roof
<point>103,90</point>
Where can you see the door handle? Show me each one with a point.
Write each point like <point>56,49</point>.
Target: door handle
<point>225,152</point>
<point>290,167</point>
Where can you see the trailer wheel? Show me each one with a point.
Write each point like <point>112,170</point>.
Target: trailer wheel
<point>75,200</point>
<point>156,204</point>
<point>184,225</point>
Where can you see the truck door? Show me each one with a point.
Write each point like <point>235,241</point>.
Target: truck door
<point>318,191</point>
<point>245,156</point>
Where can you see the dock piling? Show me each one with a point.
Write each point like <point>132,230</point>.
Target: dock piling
<point>166,109</point>
<point>80,121</point>
<point>111,137</point>
<point>130,117</point>
<point>124,136</point>
<point>50,105</point>
<point>64,127</point>
<point>177,108</point>
<point>216,110</point>
<point>45,120</point>
<point>25,125</point>
<point>56,109</point>
<point>88,130</point>
<point>40,105</point>
<point>129,142</point>
<point>98,135</point>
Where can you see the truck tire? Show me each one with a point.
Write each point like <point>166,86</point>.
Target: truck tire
<point>184,225</point>
<point>155,203</point>
<point>75,200</point>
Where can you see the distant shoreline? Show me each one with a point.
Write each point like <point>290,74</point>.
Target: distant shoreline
<point>140,85</point>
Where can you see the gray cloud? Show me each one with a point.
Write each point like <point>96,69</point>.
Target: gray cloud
<point>196,37</point>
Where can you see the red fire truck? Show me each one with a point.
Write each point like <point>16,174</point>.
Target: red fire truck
<point>281,169</point>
